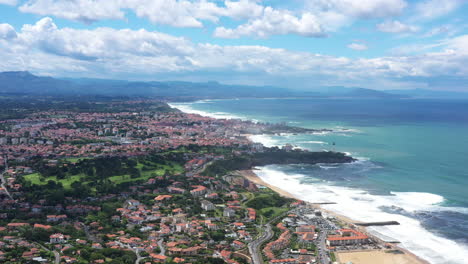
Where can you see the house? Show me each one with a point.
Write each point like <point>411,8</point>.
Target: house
<point>57,238</point>
<point>158,258</point>
<point>229,212</point>
<point>347,237</point>
<point>56,218</point>
<point>46,227</point>
<point>251,214</point>
<point>207,205</point>
<point>16,225</point>
<point>199,190</point>
<point>237,244</point>
<point>172,189</point>
<point>239,225</point>
<point>162,197</point>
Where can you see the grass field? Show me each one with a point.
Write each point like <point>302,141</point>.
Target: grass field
<point>272,212</point>
<point>38,179</point>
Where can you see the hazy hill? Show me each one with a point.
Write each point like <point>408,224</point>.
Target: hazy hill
<point>27,83</point>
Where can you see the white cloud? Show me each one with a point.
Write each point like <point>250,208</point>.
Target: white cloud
<point>100,43</point>
<point>358,46</point>
<point>80,10</point>
<point>275,22</point>
<point>431,9</point>
<point>396,26</point>
<point>105,52</point>
<point>178,13</point>
<point>258,20</point>
<point>8,2</point>
<point>360,8</point>
<point>317,19</point>
<point>7,31</point>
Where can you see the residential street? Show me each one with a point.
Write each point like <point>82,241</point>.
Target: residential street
<point>254,246</point>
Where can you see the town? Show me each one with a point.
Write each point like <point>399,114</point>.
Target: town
<point>139,182</point>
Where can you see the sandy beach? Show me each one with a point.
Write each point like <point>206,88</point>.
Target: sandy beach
<point>358,257</point>
<point>251,176</point>
<point>376,256</point>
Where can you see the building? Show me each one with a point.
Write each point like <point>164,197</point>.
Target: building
<point>199,190</point>
<point>57,238</point>
<point>229,212</point>
<point>207,205</point>
<point>347,237</point>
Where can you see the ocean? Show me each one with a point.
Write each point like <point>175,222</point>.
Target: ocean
<point>412,163</point>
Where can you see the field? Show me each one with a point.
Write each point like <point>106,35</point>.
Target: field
<point>38,179</point>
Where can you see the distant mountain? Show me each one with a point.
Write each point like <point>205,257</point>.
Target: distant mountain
<point>422,93</point>
<point>27,83</point>
<point>341,91</point>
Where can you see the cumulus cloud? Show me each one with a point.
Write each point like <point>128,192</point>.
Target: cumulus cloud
<point>178,13</point>
<point>100,43</point>
<point>275,22</point>
<point>317,19</point>
<point>358,46</point>
<point>106,52</point>
<point>7,31</point>
<point>8,2</point>
<point>258,20</point>
<point>80,10</point>
<point>396,26</point>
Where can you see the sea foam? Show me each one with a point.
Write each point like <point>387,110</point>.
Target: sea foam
<point>188,108</point>
<point>360,205</point>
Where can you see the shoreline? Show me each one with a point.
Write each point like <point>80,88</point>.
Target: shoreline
<point>361,256</point>
<point>250,175</point>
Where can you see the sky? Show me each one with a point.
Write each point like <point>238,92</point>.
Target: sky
<point>300,44</point>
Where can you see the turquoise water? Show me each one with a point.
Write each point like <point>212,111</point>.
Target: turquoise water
<point>413,161</point>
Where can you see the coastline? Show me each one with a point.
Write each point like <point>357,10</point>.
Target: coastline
<point>406,256</point>
<point>403,256</point>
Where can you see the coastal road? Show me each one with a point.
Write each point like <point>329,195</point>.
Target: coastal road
<point>255,246</point>
<point>323,257</point>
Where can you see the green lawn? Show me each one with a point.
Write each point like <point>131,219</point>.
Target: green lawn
<point>275,211</point>
<point>75,160</point>
<point>37,179</point>
<point>159,170</point>
<point>173,168</point>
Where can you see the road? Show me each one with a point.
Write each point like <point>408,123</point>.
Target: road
<point>57,257</point>
<point>323,257</point>
<point>139,257</point>
<point>56,254</point>
<point>90,236</point>
<point>255,246</point>
<point>161,247</point>
<point>2,179</point>
<point>135,250</point>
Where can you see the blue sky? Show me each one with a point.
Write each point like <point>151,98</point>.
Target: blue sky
<point>301,44</point>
